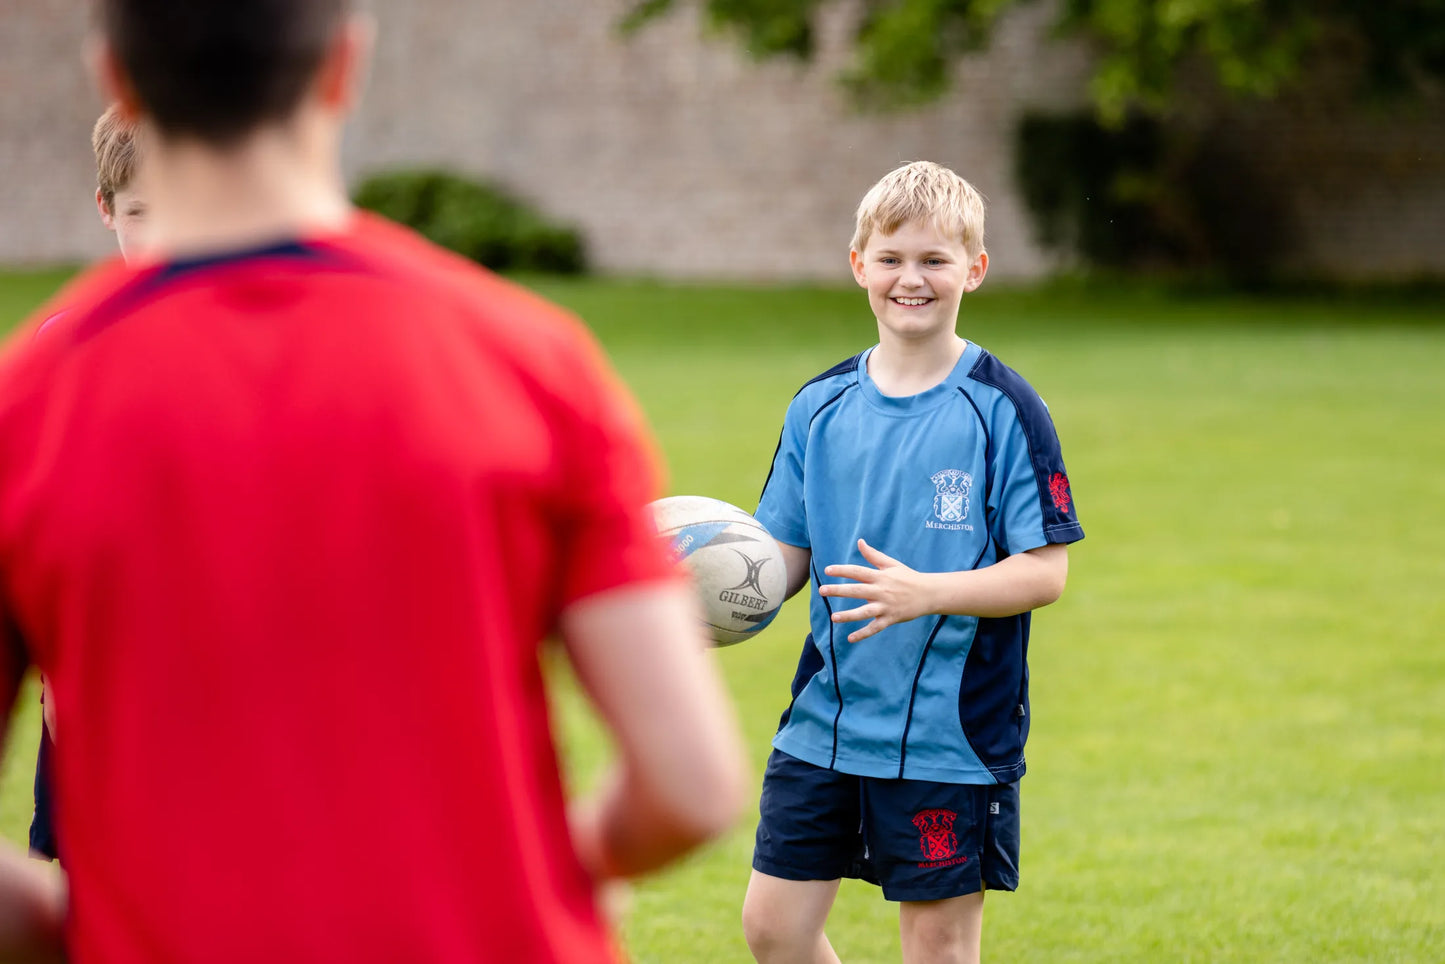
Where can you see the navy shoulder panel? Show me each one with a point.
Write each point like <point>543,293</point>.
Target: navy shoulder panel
<point>842,368</point>
<point>1061,520</point>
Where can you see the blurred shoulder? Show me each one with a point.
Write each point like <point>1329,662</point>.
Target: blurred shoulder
<point>40,338</point>
<point>513,319</point>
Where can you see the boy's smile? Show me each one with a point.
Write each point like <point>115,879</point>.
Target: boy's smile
<point>915,278</point>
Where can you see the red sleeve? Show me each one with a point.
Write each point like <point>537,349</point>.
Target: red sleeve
<point>612,472</point>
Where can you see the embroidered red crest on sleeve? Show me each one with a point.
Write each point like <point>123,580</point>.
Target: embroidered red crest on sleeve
<point>1059,491</point>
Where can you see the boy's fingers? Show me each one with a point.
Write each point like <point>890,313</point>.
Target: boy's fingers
<point>860,573</point>
<point>854,615</point>
<point>857,590</point>
<point>879,559</point>
<point>871,629</point>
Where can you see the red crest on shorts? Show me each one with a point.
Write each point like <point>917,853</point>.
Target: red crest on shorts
<point>1059,491</point>
<point>935,833</point>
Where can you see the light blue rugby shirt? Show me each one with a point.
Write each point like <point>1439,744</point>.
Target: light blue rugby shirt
<point>956,477</point>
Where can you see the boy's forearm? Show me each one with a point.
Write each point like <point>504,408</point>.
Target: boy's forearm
<point>1017,584</point>
<point>626,828</point>
<point>797,560</point>
<point>680,776</point>
<point>32,909</point>
<point>893,593</point>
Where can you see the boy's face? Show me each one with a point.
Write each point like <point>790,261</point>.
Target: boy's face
<point>126,216</point>
<point>915,278</point>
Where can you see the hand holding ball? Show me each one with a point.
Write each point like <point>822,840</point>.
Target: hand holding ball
<point>736,565</point>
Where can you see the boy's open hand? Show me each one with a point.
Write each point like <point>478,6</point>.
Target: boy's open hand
<point>894,592</point>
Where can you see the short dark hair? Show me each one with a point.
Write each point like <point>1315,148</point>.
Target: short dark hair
<point>217,69</point>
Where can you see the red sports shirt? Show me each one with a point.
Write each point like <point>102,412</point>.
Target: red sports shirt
<point>284,530</point>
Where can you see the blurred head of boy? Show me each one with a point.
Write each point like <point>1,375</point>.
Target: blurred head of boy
<point>243,128</point>
<point>917,250</point>
<point>119,196</point>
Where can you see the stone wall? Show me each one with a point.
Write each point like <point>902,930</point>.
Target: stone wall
<point>47,108</point>
<point>677,155</point>
<point>680,157</point>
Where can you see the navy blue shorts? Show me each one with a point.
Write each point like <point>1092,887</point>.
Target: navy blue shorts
<point>42,824</point>
<point>918,840</point>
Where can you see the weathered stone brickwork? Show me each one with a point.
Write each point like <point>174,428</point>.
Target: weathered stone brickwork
<point>677,155</point>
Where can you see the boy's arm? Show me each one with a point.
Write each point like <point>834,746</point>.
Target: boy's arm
<point>797,560</point>
<point>32,893</point>
<point>895,593</point>
<point>32,908</point>
<point>679,779</point>
<point>633,633</point>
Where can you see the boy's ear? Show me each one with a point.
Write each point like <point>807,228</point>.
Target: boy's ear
<point>855,260</point>
<point>106,216</point>
<point>976,271</point>
<point>110,78</point>
<point>343,70</point>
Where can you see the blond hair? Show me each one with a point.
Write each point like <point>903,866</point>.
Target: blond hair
<point>923,193</point>
<point>114,141</point>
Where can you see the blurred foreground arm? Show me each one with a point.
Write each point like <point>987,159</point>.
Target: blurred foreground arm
<point>680,777</point>
<point>32,909</point>
<point>32,893</point>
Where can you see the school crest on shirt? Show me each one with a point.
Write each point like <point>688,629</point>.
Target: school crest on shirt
<point>1059,491</point>
<point>950,500</point>
<point>936,839</point>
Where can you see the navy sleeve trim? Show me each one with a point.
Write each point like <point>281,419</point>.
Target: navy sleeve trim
<point>843,367</point>
<point>1056,502</point>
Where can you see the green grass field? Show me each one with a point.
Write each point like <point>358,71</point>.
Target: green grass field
<point>1238,750</point>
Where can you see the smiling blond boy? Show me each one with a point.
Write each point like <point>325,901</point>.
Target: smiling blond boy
<point>919,488</point>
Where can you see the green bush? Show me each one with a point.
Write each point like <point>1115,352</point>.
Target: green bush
<point>474,219</point>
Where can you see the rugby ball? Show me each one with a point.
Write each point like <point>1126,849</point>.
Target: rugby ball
<point>735,564</point>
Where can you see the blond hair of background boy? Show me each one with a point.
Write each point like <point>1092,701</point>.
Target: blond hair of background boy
<point>898,759</point>
<point>119,196</point>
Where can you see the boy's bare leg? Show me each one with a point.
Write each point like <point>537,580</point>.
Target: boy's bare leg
<point>942,931</point>
<point>783,920</point>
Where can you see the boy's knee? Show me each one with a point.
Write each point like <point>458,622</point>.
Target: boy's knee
<point>943,931</point>
<point>937,941</point>
<point>761,926</point>
<point>772,932</point>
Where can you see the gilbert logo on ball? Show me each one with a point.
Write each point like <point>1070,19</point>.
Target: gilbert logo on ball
<point>735,564</point>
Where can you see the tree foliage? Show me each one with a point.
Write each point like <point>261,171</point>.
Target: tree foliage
<point>904,49</point>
